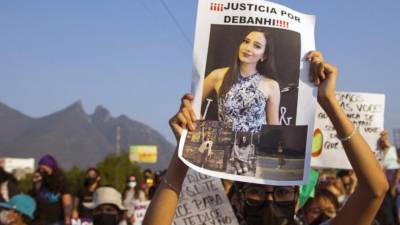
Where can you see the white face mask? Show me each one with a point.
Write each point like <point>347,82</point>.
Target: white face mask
<point>4,217</point>
<point>132,184</point>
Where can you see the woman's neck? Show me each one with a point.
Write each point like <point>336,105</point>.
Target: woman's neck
<point>247,69</point>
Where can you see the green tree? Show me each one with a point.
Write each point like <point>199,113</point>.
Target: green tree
<point>114,170</point>
<point>74,178</point>
<point>25,184</point>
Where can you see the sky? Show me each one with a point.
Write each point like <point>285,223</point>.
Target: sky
<point>133,58</point>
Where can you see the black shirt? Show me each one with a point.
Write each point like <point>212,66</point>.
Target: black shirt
<point>84,195</point>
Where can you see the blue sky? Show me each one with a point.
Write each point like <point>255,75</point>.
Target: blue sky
<point>131,58</point>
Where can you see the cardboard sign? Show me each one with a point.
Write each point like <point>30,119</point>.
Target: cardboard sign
<point>203,202</point>
<point>140,211</point>
<point>365,110</point>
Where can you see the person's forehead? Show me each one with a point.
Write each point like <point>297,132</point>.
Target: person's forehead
<point>325,203</point>
<point>91,173</point>
<point>107,207</point>
<point>257,36</point>
<point>266,187</point>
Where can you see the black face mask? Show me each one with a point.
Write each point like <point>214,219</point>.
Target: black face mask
<point>89,181</point>
<point>322,218</point>
<point>105,219</point>
<point>270,213</point>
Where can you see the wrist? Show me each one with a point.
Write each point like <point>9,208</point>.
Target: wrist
<point>176,171</point>
<point>328,102</point>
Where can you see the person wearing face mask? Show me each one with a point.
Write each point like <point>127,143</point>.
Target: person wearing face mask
<point>131,194</point>
<point>264,204</point>
<point>107,206</point>
<point>18,211</point>
<point>50,190</point>
<point>360,208</point>
<point>322,207</point>
<point>91,183</point>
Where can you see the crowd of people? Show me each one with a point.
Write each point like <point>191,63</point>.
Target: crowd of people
<point>50,201</point>
<point>366,195</point>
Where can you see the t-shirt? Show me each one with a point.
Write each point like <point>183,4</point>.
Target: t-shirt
<point>84,195</point>
<point>49,205</point>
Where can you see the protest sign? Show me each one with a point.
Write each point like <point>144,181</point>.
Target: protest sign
<point>143,153</point>
<point>390,160</point>
<point>365,110</point>
<point>140,211</point>
<point>203,202</point>
<point>255,109</point>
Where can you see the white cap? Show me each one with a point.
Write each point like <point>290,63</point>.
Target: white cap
<point>105,195</point>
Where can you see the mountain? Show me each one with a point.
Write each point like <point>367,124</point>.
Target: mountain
<point>74,137</point>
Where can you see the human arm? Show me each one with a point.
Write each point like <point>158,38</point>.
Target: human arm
<point>68,206</point>
<point>363,204</point>
<point>75,211</point>
<point>384,144</point>
<point>271,90</point>
<point>213,81</point>
<point>273,104</point>
<point>162,208</point>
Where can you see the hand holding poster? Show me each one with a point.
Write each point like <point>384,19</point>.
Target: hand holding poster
<point>251,86</point>
<point>203,201</point>
<point>365,110</point>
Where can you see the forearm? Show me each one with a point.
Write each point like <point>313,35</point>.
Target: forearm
<point>163,205</point>
<point>366,167</point>
<point>68,207</point>
<point>363,204</point>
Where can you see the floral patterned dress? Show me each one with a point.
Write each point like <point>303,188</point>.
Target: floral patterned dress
<point>244,105</point>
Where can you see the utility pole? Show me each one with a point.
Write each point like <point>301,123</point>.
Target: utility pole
<point>118,140</point>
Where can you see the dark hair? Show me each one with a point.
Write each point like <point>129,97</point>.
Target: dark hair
<point>56,182</point>
<point>94,170</point>
<point>324,193</point>
<point>5,176</point>
<point>132,175</point>
<point>266,68</point>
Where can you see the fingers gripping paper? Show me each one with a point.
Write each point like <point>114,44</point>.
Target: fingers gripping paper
<point>256,121</point>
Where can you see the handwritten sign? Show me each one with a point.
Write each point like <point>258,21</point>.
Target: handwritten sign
<point>140,211</point>
<point>365,110</point>
<point>203,202</point>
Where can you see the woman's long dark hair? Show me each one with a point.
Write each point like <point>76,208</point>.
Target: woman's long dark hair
<point>266,68</point>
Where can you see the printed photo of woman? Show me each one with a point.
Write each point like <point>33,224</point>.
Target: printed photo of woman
<point>248,93</point>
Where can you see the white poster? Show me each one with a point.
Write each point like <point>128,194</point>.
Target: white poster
<point>252,93</point>
<point>365,110</point>
<point>203,202</point>
<point>140,211</point>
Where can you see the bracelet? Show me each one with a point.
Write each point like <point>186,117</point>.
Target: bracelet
<point>169,185</point>
<point>348,137</point>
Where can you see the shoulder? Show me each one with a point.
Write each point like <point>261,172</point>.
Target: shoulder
<point>268,85</point>
<point>271,83</point>
<point>218,74</point>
